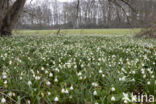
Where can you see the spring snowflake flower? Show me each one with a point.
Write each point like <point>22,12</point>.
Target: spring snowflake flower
<point>5,82</point>
<point>46,72</point>
<point>29,83</point>
<point>3,100</point>
<point>80,78</point>
<point>37,77</point>
<point>66,91</point>
<point>10,94</point>
<point>50,74</point>
<point>71,88</point>
<point>113,89</point>
<point>63,90</point>
<point>20,78</point>
<point>144,76</point>
<point>10,62</point>
<point>112,98</point>
<point>42,68</point>
<point>148,82</point>
<point>48,83</point>
<point>79,74</point>
<point>133,72</point>
<point>100,71</point>
<point>94,84</point>
<point>29,102</point>
<point>94,93</point>
<point>4,75</point>
<point>56,99</point>
<point>123,78</point>
<point>56,80</point>
<point>123,70</point>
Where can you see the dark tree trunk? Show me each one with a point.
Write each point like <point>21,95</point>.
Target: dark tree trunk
<point>149,31</point>
<point>4,5</point>
<point>9,20</point>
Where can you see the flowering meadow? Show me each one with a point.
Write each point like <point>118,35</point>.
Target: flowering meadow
<point>38,69</point>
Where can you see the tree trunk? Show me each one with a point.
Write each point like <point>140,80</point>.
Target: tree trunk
<point>149,31</point>
<point>4,5</point>
<point>11,17</point>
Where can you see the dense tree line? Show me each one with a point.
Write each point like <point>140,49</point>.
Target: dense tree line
<point>88,14</point>
<point>49,14</point>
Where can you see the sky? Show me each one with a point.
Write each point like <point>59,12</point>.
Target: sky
<point>64,0</point>
<point>28,1</point>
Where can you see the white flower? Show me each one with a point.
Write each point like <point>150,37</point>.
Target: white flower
<point>123,70</point>
<point>144,76</point>
<point>113,89</point>
<point>10,94</point>
<point>21,78</point>
<point>50,74</point>
<point>133,79</point>
<point>56,99</point>
<point>49,93</point>
<point>100,71</point>
<point>66,91</point>
<point>113,98</point>
<point>94,84</point>
<point>56,80</point>
<point>5,82</point>
<point>63,90</point>
<point>29,102</point>
<point>37,77</point>
<point>71,88</point>
<point>125,101</point>
<point>3,100</point>
<point>42,68</point>
<point>46,72</point>
<point>4,76</point>
<point>103,75</point>
<point>29,83</point>
<point>79,74</point>
<point>133,72</point>
<point>10,62</point>
<point>94,93</point>
<point>48,83</point>
<point>80,78</point>
<point>148,82</point>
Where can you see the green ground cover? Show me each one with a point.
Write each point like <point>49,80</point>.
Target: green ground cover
<point>81,31</point>
<point>45,69</point>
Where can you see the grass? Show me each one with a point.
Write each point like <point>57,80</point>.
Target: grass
<point>81,31</point>
<point>75,69</point>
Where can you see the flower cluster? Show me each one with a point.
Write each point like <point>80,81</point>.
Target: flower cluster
<point>75,69</point>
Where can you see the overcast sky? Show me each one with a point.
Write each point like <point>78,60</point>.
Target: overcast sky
<point>28,1</point>
<point>64,0</point>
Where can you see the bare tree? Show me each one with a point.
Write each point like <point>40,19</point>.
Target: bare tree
<point>10,15</point>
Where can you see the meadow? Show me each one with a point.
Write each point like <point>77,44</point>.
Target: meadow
<point>76,69</point>
<point>121,31</point>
